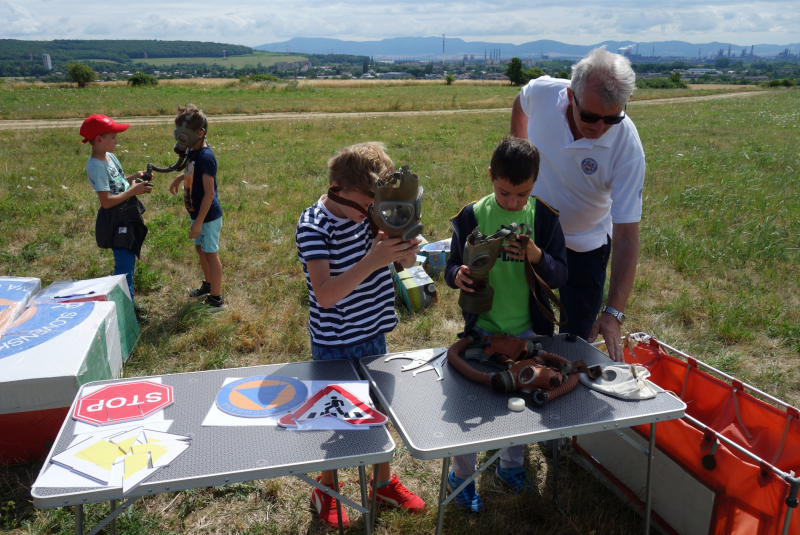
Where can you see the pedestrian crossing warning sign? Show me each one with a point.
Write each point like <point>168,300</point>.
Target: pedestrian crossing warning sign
<point>334,401</point>
<point>261,395</point>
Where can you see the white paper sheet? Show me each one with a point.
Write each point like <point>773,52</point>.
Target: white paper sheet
<point>217,418</point>
<point>68,471</point>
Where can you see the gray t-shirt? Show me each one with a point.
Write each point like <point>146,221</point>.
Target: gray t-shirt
<point>107,176</point>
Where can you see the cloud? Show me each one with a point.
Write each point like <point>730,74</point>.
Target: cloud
<point>253,22</point>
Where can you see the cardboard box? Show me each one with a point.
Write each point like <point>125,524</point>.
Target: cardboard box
<point>113,289</point>
<point>415,289</point>
<point>15,292</point>
<point>45,357</point>
<point>436,254</point>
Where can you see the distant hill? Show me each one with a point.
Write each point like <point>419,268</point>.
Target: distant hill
<point>431,48</point>
<point>63,50</point>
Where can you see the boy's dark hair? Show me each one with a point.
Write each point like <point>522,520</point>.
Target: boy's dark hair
<point>516,160</point>
<point>357,167</point>
<point>197,119</point>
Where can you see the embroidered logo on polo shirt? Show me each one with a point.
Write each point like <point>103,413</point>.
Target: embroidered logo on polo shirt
<point>589,166</point>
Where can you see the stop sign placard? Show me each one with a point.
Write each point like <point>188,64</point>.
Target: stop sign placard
<point>123,402</point>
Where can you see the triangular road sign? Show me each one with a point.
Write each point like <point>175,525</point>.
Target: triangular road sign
<point>333,401</point>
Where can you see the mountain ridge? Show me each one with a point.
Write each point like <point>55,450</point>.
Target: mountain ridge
<point>431,48</point>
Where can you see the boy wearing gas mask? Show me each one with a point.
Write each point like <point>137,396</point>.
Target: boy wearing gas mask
<point>200,199</point>
<point>119,226</point>
<point>513,171</point>
<point>351,296</point>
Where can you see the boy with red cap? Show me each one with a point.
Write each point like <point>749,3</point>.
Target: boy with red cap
<point>119,224</point>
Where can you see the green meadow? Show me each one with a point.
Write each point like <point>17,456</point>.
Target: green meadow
<point>220,96</point>
<point>718,274</point>
<point>266,59</point>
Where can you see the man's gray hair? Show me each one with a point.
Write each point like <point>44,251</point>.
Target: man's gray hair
<point>610,75</point>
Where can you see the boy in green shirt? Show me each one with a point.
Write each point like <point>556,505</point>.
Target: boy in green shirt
<point>513,171</point>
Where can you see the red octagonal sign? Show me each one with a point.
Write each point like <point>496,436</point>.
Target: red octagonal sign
<point>123,402</point>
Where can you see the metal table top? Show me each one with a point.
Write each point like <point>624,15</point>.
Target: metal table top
<point>223,455</point>
<point>437,419</point>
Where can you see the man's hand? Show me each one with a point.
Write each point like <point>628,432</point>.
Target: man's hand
<point>609,327</point>
<point>462,279</point>
<point>173,188</point>
<point>197,226</point>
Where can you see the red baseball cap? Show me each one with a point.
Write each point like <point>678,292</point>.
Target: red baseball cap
<point>97,125</point>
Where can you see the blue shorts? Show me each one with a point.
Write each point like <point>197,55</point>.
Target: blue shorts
<point>374,346</point>
<point>208,240</point>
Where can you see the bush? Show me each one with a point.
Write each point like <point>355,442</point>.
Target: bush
<point>142,79</point>
<point>563,74</point>
<point>786,82</point>
<point>662,83</point>
<point>449,79</point>
<point>81,74</point>
<point>531,74</point>
<point>259,78</point>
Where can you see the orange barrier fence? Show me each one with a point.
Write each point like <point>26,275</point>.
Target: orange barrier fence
<point>746,451</point>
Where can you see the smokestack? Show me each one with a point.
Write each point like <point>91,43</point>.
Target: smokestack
<point>751,50</point>
<point>654,51</point>
<point>729,50</point>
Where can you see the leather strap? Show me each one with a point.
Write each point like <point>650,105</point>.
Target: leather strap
<point>535,283</point>
<point>333,195</point>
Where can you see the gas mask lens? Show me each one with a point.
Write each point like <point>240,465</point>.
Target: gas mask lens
<point>396,214</point>
<point>526,375</point>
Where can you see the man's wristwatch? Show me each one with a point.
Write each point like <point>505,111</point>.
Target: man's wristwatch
<point>619,316</point>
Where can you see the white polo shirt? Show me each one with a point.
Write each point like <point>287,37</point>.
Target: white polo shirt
<point>591,182</point>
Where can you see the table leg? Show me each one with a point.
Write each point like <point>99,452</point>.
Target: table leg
<point>651,455</point>
<point>555,444</point>
<point>362,479</point>
<point>79,519</point>
<point>374,505</point>
<point>113,528</point>
<point>338,502</point>
<point>442,494</point>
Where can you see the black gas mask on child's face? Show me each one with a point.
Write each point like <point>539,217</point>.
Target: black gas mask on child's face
<point>187,138</point>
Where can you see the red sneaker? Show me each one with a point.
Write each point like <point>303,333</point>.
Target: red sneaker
<point>396,495</point>
<point>326,508</point>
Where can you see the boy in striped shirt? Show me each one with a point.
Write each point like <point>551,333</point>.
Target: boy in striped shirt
<point>351,297</point>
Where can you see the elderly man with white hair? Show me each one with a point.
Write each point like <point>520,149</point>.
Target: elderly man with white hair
<point>592,171</point>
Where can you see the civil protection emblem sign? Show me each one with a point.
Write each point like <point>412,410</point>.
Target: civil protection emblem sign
<point>589,166</point>
<point>261,396</point>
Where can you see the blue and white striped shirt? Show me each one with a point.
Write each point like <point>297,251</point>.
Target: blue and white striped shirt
<point>369,309</point>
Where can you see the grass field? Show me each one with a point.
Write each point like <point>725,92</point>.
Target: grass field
<point>718,277</point>
<point>267,59</point>
<point>61,101</point>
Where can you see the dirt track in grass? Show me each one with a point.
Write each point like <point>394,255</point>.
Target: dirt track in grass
<point>35,124</point>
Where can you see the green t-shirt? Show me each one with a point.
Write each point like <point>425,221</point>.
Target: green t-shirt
<point>510,313</point>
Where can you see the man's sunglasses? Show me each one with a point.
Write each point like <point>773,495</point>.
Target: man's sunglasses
<point>593,118</point>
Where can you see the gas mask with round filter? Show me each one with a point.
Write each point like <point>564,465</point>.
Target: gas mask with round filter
<point>398,204</point>
<point>185,139</point>
<point>525,367</point>
<point>397,207</point>
<point>480,254</point>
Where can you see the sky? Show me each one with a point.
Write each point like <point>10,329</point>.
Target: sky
<point>255,22</point>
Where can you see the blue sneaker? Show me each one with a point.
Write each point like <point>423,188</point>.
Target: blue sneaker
<point>467,498</point>
<point>516,478</point>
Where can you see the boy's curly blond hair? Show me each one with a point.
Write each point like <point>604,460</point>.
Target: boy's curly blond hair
<point>357,167</point>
